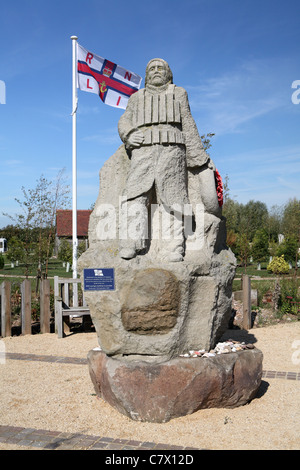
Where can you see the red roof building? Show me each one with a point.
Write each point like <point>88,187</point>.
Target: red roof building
<point>64,223</point>
<point>64,228</point>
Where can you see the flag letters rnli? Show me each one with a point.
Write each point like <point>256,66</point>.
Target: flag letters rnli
<point>112,83</point>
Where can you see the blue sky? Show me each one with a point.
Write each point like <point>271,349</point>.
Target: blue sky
<point>236,59</point>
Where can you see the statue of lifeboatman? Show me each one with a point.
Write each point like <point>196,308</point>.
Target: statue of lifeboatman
<point>162,140</point>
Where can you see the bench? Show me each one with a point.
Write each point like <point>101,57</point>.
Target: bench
<point>66,304</point>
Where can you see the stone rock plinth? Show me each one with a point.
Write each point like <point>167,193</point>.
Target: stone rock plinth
<point>159,392</point>
<point>158,307</point>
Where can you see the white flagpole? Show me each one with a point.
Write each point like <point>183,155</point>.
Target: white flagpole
<point>74,149</point>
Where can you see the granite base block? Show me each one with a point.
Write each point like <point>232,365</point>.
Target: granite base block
<point>161,391</point>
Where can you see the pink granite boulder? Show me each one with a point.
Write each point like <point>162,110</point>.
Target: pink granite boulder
<point>158,392</point>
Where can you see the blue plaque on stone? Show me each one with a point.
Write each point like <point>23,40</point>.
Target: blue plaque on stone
<point>99,279</point>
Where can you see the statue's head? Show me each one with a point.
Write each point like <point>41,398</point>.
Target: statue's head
<point>158,73</point>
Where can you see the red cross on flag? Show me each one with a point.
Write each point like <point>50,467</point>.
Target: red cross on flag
<point>112,83</point>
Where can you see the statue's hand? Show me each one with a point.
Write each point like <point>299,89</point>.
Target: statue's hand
<point>135,139</point>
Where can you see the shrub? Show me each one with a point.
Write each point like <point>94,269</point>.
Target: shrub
<point>278,265</point>
<point>289,295</point>
<point>1,262</point>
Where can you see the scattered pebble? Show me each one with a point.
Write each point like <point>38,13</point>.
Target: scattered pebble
<point>229,346</point>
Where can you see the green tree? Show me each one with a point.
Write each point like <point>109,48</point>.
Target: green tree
<point>275,222</point>
<point>65,252</point>
<point>231,211</point>
<point>253,216</point>
<point>291,218</point>
<point>245,218</point>
<point>36,220</point>
<point>243,249</point>
<point>288,248</point>
<point>16,250</point>
<point>20,249</point>
<point>291,224</point>
<point>232,240</point>
<point>10,231</point>
<point>260,246</point>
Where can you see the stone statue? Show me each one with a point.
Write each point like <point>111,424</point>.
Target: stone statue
<point>173,271</point>
<point>162,142</point>
<point>157,229</point>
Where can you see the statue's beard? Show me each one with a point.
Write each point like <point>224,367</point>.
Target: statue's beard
<point>157,88</point>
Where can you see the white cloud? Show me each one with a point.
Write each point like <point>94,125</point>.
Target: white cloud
<point>12,162</point>
<point>253,89</point>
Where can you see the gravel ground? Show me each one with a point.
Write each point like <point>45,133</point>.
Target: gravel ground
<point>60,397</point>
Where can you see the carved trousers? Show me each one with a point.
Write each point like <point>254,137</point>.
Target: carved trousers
<point>143,222</point>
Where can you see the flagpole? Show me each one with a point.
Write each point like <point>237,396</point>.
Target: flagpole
<point>74,156</point>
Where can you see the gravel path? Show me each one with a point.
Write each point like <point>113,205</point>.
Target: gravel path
<point>60,397</point>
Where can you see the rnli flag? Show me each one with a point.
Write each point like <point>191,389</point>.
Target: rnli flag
<point>112,83</point>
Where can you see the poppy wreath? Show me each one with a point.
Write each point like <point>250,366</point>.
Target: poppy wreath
<point>219,188</point>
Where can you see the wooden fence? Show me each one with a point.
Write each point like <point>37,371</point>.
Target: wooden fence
<point>246,303</point>
<point>45,312</point>
<point>66,304</point>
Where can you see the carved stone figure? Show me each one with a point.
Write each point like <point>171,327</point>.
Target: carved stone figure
<point>158,204</point>
<point>162,142</point>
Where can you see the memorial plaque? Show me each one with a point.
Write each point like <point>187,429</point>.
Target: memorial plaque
<point>99,279</point>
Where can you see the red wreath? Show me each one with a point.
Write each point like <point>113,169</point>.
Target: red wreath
<point>219,187</point>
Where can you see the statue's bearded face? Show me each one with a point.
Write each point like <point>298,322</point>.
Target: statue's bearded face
<point>157,73</point>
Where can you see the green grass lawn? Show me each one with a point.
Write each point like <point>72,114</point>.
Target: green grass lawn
<point>262,280</point>
<point>16,275</point>
<point>55,268</point>
<point>252,270</point>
